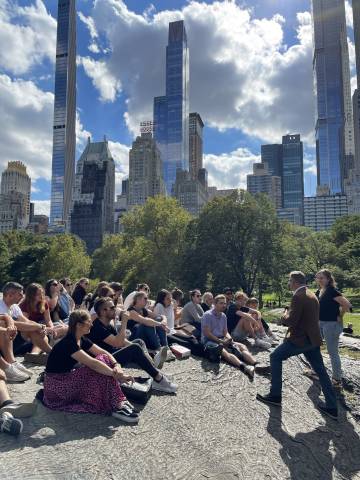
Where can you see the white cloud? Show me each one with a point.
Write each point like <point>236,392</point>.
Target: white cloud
<point>102,78</point>
<point>27,36</point>
<point>120,154</point>
<point>229,170</point>
<point>349,14</point>
<point>89,22</point>
<point>242,74</point>
<point>42,207</point>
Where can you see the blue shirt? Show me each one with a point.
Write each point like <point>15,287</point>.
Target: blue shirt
<point>217,323</point>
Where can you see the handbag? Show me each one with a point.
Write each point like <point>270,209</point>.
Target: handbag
<point>139,391</point>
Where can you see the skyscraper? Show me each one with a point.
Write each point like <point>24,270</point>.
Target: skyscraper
<point>171,112</point>
<point>334,125</point>
<point>64,139</point>
<point>196,126</point>
<point>145,170</point>
<point>14,197</point>
<point>272,155</point>
<point>94,193</point>
<point>293,173</point>
<point>261,181</point>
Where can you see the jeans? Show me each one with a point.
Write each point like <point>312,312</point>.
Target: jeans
<point>313,355</point>
<point>154,337</point>
<point>135,354</point>
<point>330,332</point>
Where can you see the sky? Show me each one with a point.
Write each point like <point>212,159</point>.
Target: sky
<point>250,79</point>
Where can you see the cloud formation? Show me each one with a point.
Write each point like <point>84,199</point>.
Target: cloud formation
<point>243,75</point>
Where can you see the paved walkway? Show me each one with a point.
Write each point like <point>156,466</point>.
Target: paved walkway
<point>212,429</point>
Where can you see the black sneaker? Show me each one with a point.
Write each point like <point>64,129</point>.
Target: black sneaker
<point>269,399</point>
<point>263,369</point>
<point>330,412</point>
<point>126,415</point>
<point>10,425</point>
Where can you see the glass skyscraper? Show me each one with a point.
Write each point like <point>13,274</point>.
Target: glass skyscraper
<point>334,122</point>
<point>292,173</point>
<point>171,112</point>
<point>64,139</point>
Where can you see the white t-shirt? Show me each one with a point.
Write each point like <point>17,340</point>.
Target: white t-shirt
<point>169,314</point>
<point>14,310</point>
<point>129,300</point>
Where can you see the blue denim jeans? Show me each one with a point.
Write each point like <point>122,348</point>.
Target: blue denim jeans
<point>313,355</point>
<point>330,332</point>
<point>154,337</point>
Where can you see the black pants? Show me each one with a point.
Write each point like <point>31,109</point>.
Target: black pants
<point>265,325</point>
<point>135,354</point>
<point>191,343</point>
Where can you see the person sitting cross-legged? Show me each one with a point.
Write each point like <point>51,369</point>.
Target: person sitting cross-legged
<point>94,386</point>
<point>215,334</point>
<point>104,334</point>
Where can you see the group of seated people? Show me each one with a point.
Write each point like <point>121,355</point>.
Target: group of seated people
<point>84,339</point>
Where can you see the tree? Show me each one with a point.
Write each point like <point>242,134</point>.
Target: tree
<point>344,228</point>
<point>105,257</point>
<point>234,242</point>
<point>66,257</point>
<point>151,243</point>
<point>26,266</point>
<point>4,261</point>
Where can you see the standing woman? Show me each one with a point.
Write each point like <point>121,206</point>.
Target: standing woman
<point>94,386</point>
<point>331,300</point>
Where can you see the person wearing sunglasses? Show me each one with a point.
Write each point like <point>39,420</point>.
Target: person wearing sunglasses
<point>141,287</point>
<point>66,302</point>
<point>193,312</point>
<point>104,335</point>
<point>80,291</point>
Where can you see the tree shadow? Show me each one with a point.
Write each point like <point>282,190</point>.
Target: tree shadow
<point>314,455</point>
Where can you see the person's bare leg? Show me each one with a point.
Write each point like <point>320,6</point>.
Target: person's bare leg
<point>248,358</point>
<point>40,343</point>
<point>6,348</point>
<point>232,359</point>
<point>4,393</point>
<point>3,363</point>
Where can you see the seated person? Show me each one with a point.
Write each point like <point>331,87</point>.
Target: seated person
<point>105,336</point>
<point>241,324</point>
<point>253,304</point>
<point>25,331</point>
<point>102,292</point>
<point>80,291</point>
<point>35,307</point>
<point>147,325</point>
<point>94,386</point>
<point>66,302</point>
<point>207,302</point>
<point>214,333</point>
<point>118,291</point>
<point>193,312</point>
<point>141,287</point>
<point>52,297</point>
<point>178,297</point>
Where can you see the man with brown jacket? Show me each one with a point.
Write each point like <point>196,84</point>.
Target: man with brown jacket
<point>303,336</point>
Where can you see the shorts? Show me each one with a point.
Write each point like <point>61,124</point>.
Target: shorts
<point>21,346</point>
<point>238,334</point>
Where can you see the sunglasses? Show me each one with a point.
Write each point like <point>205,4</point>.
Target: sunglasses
<point>145,298</point>
<point>198,296</point>
<point>110,308</point>
<point>68,284</point>
<point>55,284</point>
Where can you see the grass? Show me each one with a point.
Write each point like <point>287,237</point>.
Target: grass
<point>353,318</point>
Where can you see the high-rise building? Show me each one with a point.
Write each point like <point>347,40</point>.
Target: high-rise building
<point>190,193</point>
<point>272,155</point>
<point>196,126</point>
<point>64,139</point>
<point>292,178</point>
<point>213,192</point>
<point>14,197</point>
<point>261,181</point>
<point>94,193</point>
<point>320,212</point>
<point>171,112</point>
<point>334,124</point>
<point>145,170</point>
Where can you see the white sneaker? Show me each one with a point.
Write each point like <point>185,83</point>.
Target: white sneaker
<point>20,410</point>
<point>10,425</point>
<point>164,385</point>
<point>262,344</point>
<point>274,339</point>
<point>15,375</point>
<point>160,357</point>
<point>170,356</point>
<point>22,368</point>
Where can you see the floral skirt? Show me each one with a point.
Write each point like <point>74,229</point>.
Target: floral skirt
<point>83,391</point>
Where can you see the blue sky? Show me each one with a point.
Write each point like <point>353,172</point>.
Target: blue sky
<point>250,79</point>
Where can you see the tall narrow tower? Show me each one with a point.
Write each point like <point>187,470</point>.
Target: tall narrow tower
<point>64,138</point>
<point>334,123</point>
<point>171,112</point>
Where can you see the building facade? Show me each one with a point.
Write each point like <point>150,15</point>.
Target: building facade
<point>64,138</point>
<point>196,126</point>
<point>272,155</point>
<point>94,192</point>
<point>334,119</point>
<point>171,112</point>
<point>261,181</point>
<point>14,197</point>
<point>292,179</point>
<point>190,193</point>
<point>320,212</point>
<point>145,170</point>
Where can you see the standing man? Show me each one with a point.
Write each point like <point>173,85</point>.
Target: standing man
<point>303,336</point>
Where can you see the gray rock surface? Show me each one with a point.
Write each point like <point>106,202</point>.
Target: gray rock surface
<point>212,429</point>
